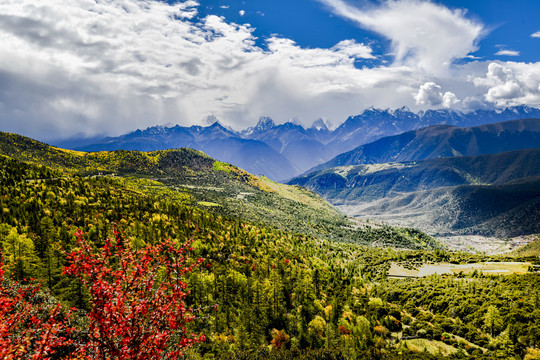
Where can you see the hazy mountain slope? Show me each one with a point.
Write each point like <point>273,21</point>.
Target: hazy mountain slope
<point>445,195</point>
<point>506,210</point>
<point>278,136</point>
<point>444,141</point>
<point>305,154</point>
<point>298,145</point>
<point>254,156</point>
<point>369,126</point>
<point>217,141</point>
<point>155,138</point>
<point>300,148</point>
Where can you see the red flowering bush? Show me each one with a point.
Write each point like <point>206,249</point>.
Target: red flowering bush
<point>137,307</point>
<point>138,296</point>
<point>30,328</point>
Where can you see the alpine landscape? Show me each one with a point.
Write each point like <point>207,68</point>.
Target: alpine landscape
<point>317,179</point>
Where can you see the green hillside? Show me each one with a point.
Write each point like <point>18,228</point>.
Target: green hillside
<point>531,249</point>
<point>323,299</point>
<point>196,179</point>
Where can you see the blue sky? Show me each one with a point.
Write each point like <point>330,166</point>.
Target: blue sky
<point>310,23</point>
<point>90,67</point>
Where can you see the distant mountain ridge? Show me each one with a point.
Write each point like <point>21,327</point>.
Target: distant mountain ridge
<point>443,141</point>
<point>215,140</point>
<point>493,195</point>
<point>282,151</point>
<point>348,183</point>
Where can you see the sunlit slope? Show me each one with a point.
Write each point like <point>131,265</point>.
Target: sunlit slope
<point>194,178</point>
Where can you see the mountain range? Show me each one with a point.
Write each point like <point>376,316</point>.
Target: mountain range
<point>423,179</point>
<point>282,151</point>
<point>444,141</point>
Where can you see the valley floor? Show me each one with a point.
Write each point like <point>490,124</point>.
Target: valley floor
<point>484,244</point>
<point>489,245</point>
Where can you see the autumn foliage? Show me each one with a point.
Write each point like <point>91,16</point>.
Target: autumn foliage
<point>279,338</point>
<point>28,330</point>
<point>137,307</point>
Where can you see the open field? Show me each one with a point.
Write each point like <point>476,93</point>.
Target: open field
<point>496,268</point>
<point>434,347</point>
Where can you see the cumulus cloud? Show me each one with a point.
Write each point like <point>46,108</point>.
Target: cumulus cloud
<point>242,12</point>
<point>507,53</point>
<point>353,49</point>
<point>430,94</point>
<point>536,34</point>
<point>92,66</point>
<point>101,66</point>
<point>511,83</point>
<point>423,34</point>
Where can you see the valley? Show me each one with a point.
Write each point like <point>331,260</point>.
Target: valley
<point>281,265</point>
<point>496,268</point>
<point>474,202</point>
<point>486,245</point>
<point>269,180</point>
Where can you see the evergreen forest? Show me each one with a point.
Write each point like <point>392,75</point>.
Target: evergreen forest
<point>271,271</point>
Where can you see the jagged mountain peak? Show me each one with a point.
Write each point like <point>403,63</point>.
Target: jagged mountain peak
<point>217,130</point>
<point>265,123</point>
<point>295,122</point>
<point>319,124</point>
<point>154,130</point>
<point>401,110</point>
<point>216,124</point>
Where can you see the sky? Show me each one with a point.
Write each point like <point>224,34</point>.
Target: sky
<point>83,68</point>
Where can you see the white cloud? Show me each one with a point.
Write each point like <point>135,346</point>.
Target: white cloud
<point>423,34</point>
<point>353,49</point>
<point>430,94</point>
<point>511,83</point>
<point>507,53</point>
<point>242,12</point>
<point>89,67</point>
<point>449,100</point>
<point>536,34</point>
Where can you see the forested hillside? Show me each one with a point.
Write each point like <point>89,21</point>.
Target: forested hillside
<point>194,178</point>
<point>492,195</point>
<point>261,291</point>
